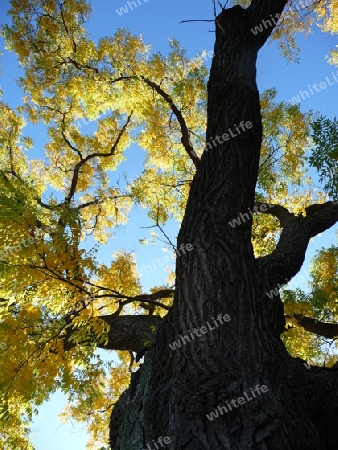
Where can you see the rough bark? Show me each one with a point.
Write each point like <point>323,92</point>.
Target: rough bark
<point>130,333</point>
<point>174,390</point>
<point>134,333</point>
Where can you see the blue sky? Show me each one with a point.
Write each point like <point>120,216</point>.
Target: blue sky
<point>157,21</point>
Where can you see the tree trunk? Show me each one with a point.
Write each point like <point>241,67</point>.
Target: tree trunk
<point>283,405</point>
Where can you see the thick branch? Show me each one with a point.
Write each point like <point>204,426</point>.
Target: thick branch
<point>130,332</point>
<point>325,329</point>
<point>275,210</point>
<point>287,258</point>
<point>126,332</point>
<point>320,217</point>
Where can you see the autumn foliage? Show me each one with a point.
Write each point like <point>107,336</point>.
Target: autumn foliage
<point>97,101</point>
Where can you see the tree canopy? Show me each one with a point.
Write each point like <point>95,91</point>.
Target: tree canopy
<point>97,100</point>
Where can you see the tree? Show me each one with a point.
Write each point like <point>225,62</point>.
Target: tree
<point>230,382</point>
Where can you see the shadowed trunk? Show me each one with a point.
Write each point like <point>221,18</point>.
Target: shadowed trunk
<point>283,404</point>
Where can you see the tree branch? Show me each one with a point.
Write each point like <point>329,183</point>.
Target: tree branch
<point>163,293</point>
<point>151,299</point>
<point>126,332</point>
<point>185,139</point>
<point>325,329</point>
<point>83,161</point>
<point>287,258</point>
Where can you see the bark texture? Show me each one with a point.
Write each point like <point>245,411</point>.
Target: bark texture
<point>130,333</point>
<point>174,390</point>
